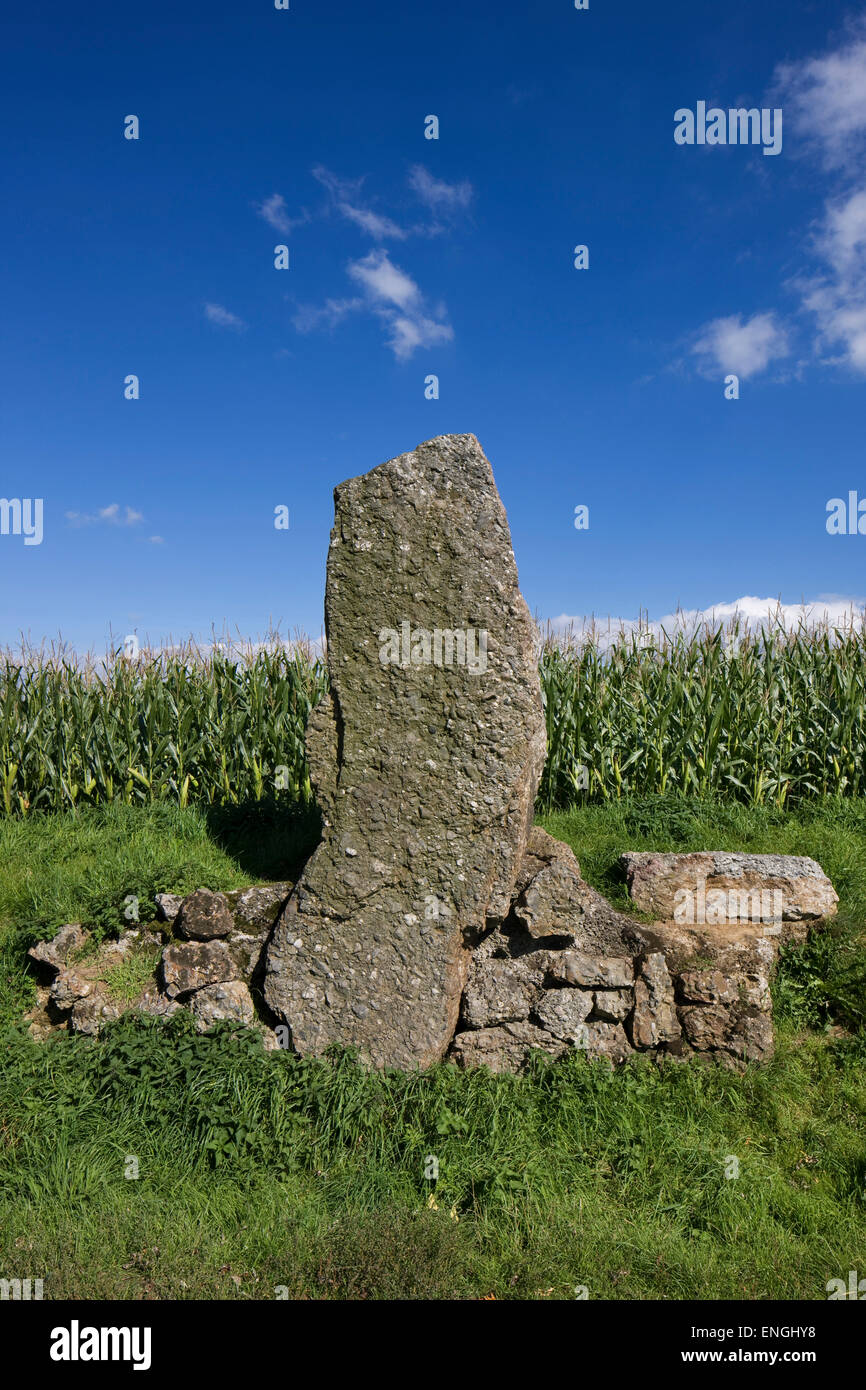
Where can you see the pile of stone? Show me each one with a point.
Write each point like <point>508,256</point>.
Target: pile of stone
<point>204,953</point>
<point>433,920</point>
<point>566,971</point>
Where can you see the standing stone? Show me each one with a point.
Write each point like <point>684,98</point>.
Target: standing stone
<point>426,757</point>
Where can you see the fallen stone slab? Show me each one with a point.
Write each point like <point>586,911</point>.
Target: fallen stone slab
<point>715,888</point>
<point>426,757</point>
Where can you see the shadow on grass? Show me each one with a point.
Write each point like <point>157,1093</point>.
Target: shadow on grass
<point>270,839</point>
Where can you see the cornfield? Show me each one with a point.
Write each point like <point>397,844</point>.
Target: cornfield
<point>184,725</point>
<point>767,717</point>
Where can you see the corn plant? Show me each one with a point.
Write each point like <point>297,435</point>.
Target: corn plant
<point>767,717</point>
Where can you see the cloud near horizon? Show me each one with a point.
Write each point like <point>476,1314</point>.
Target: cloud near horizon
<point>752,613</point>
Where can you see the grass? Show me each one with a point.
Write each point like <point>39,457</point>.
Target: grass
<point>84,866</point>
<point>125,981</point>
<point>258,1172</point>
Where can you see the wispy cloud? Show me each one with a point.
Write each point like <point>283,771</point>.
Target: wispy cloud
<point>836,293</point>
<point>745,347</point>
<point>393,297</point>
<point>387,291</point>
<point>275,213</point>
<point>396,299</point>
<point>824,100</point>
<point>218,314</point>
<point>328,315</point>
<point>112,515</point>
<point>436,194</point>
<point>346,200</point>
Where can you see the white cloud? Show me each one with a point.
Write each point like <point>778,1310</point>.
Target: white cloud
<point>217,314</point>
<point>825,99</point>
<point>744,347</point>
<point>388,292</point>
<point>836,296</point>
<point>378,227</point>
<point>273,210</point>
<point>833,611</point>
<point>393,297</point>
<point>345,200</point>
<point>824,103</point>
<point>396,299</point>
<point>407,334</point>
<point>385,281</point>
<point>112,515</point>
<point>436,194</point>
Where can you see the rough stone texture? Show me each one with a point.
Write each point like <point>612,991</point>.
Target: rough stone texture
<point>744,1035</point>
<point>547,890</point>
<point>562,1011</point>
<point>167,906</point>
<point>721,979</point>
<point>190,965</point>
<point>565,970</point>
<point>93,1012</point>
<point>590,972</point>
<point>612,1005</point>
<point>496,993</point>
<point>214,1003</point>
<point>209,977</point>
<point>505,1048</point>
<point>556,974</point>
<point>655,1017</point>
<point>604,1041</point>
<point>255,909</point>
<point>56,953</point>
<point>68,988</point>
<point>157,1004</point>
<point>663,988</point>
<point>426,774</point>
<point>552,900</point>
<point>715,888</point>
<point>204,916</point>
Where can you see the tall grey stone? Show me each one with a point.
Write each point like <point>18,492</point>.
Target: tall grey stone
<point>426,758</point>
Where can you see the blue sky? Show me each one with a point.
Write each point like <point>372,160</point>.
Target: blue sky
<point>263,387</point>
